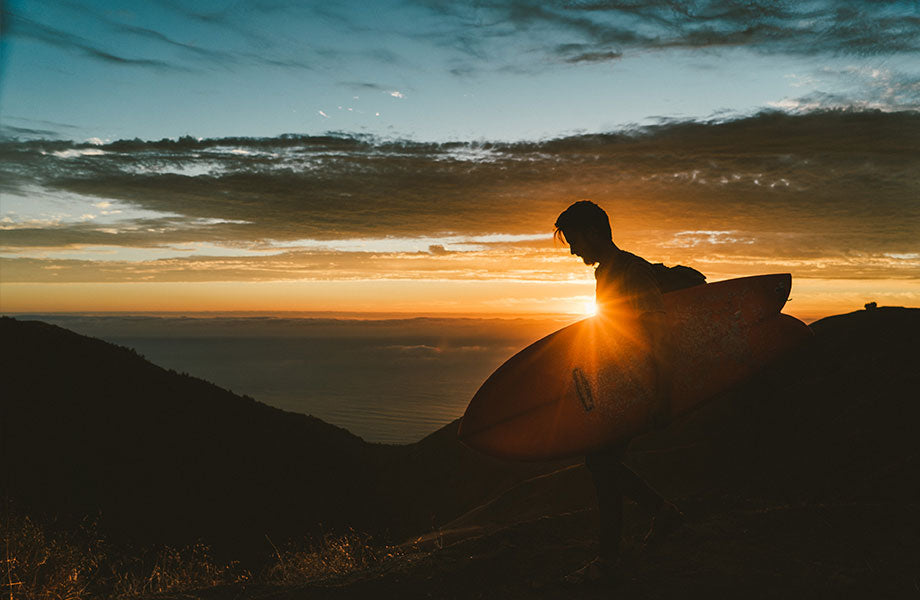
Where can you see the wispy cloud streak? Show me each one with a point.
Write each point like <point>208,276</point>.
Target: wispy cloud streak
<point>20,26</point>
<point>607,30</point>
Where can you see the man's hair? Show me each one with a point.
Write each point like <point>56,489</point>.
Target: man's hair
<point>584,215</point>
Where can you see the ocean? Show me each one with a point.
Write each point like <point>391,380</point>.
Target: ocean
<point>392,380</point>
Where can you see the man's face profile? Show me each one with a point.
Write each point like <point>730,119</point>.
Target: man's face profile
<point>581,244</point>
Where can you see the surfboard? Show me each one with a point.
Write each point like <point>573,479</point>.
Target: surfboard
<point>590,384</point>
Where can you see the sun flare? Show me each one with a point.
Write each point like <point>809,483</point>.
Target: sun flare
<point>590,308</point>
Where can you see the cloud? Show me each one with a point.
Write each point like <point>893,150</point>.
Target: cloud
<point>225,19</point>
<point>520,36</point>
<point>266,55</point>
<point>32,128</point>
<point>365,85</point>
<point>12,131</point>
<point>146,33</point>
<point>607,30</point>
<point>74,152</point>
<point>594,57</point>
<point>833,188</point>
<point>857,87</point>
<point>20,26</point>
<point>238,18</point>
<point>819,256</point>
<point>687,239</point>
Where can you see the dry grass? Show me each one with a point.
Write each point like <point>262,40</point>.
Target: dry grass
<point>335,556</point>
<point>40,564</point>
<point>173,570</point>
<point>44,563</point>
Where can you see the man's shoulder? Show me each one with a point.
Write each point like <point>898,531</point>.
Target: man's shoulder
<point>633,265</point>
<point>634,260</point>
<point>622,260</point>
<point>627,268</point>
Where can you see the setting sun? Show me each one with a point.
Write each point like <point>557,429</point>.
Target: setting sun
<point>590,309</point>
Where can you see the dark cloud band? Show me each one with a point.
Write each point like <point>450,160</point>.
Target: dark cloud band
<point>838,183</point>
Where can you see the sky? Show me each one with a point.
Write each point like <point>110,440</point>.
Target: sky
<point>411,156</point>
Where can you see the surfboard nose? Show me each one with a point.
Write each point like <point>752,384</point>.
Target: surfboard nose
<point>782,287</point>
<point>763,296</point>
<point>772,290</point>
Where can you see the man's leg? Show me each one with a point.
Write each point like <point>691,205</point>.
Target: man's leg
<point>666,516</point>
<point>604,467</point>
<point>639,490</point>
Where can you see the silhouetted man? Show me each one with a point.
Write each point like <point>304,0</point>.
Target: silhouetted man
<point>626,284</point>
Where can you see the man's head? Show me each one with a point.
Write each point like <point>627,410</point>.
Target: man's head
<point>586,228</point>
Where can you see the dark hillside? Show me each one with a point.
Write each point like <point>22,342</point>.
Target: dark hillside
<point>438,479</point>
<point>837,419</point>
<point>165,457</point>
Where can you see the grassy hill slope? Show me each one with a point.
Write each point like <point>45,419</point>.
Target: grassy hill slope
<point>802,481</point>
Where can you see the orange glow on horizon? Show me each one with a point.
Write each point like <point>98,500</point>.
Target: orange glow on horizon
<point>811,299</point>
